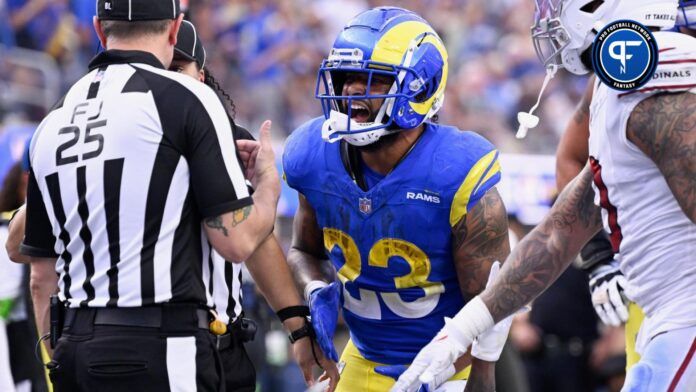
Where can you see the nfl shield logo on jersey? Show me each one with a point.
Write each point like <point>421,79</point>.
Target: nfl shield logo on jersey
<point>365,205</point>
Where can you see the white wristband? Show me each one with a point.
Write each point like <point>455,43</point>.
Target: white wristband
<point>313,285</point>
<point>470,322</point>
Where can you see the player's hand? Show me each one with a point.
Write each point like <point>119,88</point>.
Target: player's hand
<point>323,307</point>
<point>307,353</point>
<point>489,345</point>
<point>433,359</point>
<point>607,285</point>
<point>395,371</point>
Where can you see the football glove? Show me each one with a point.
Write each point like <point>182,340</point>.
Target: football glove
<point>607,285</point>
<point>489,345</point>
<point>394,371</point>
<point>323,308</point>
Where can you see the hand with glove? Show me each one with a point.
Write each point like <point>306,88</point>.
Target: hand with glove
<point>607,285</point>
<point>439,384</point>
<point>436,359</point>
<point>324,302</point>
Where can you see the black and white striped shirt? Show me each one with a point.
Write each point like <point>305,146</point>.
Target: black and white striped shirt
<point>123,170</point>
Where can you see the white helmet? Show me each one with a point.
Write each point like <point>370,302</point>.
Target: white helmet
<point>686,17</point>
<point>564,29</point>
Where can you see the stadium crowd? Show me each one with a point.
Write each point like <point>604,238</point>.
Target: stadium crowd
<point>265,54</point>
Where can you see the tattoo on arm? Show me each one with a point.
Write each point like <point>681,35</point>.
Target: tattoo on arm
<point>546,252</point>
<point>238,216</point>
<point>216,223</point>
<point>664,128</point>
<point>480,239</point>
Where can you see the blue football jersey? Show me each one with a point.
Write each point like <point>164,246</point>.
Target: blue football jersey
<point>392,244</point>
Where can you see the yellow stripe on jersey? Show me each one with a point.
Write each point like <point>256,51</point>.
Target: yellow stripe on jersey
<point>473,180</point>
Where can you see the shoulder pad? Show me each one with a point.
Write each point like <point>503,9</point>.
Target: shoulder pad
<point>301,148</point>
<point>676,69</point>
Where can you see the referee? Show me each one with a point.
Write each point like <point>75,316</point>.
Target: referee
<point>124,170</point>
<point>267,264</point>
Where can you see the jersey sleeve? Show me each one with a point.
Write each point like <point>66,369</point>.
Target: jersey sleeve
<point>39,240</point>
<point>217,178</point>
<point>483,175</point>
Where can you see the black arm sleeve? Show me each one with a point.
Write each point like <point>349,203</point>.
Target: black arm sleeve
<point>596,252</point>
<point>39,240</point>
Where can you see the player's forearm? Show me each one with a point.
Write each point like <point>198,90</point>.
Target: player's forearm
<point>273,278</point>
<point>43,284</point>
<point>482,377</point>
<point>538,260</point>
<point>307,268</point>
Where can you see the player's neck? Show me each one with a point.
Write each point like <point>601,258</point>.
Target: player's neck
<point>389,153</point>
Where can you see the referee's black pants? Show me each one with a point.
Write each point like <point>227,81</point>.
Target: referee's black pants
<point>91,357</point>
<point>240,375</point>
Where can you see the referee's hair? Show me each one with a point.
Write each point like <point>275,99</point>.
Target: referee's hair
<point>10,198</point>
<point>121,29</point>
<point>211,82</point>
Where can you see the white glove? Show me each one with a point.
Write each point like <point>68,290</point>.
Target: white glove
<point>434,361</point>
<point>607,285</point>
<point>489,345</point>
<point>447,346</point>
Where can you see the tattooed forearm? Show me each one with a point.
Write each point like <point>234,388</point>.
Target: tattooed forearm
<point>240,215</point>
<point>546,252</point>
<point>664,128</point>
<point>216,223</point>
<point>480,239</point>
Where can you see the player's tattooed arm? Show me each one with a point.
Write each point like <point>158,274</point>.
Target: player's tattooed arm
<point>538,260</point>
<point>480,239</point>
<point>307,257</point>
<point>664,128</point>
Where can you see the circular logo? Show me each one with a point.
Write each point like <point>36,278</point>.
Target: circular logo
<point>624,55</point>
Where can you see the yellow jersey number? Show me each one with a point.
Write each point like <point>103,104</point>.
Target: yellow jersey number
<point>367,306</point>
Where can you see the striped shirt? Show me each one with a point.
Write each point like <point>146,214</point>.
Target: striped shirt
<point>123,171</point>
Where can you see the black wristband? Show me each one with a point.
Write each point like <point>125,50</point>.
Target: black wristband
<point>305,331</point>
<point>293,311</point>
<point>596,252</point>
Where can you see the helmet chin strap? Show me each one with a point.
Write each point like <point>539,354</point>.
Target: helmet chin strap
<point>528,120</point>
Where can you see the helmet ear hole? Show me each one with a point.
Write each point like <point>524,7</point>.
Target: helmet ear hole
<point>591,6</point>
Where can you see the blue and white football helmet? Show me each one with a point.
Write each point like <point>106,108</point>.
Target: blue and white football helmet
<point>386,41</point>
<point>686,17</point>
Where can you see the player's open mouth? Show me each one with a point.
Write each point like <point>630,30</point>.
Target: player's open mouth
<point>360,112</point>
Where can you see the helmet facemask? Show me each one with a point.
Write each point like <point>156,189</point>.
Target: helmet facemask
<point>415,95</point>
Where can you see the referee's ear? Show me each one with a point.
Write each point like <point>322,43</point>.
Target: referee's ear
<point>174,29</point>
<point>100,33</point>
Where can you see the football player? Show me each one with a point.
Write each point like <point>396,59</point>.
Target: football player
<point>642,149</point>
<point>404,209</point>
<point>607,283</point>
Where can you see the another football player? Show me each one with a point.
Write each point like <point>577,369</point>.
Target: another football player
<point>642,149</point>
<point>404,209</point>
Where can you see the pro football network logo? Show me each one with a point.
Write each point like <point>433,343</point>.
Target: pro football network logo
<point>624,55</point>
